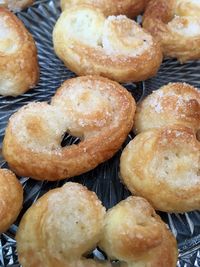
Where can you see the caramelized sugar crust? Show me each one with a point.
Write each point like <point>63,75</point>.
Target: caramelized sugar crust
<point>19,69</point>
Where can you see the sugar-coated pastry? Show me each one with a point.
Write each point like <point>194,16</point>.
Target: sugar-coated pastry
<point>19,69</point>
<point>96,109</point>
<point>61,228</point>
<point>162,165</point>
<point>130,8</point>
<point>176,25</point>
<point>11,199</point>
<point>135,234</point>
<point>115,47</point>
<point>175,103</point>
<point>15,5</point>
<point>67,223</point>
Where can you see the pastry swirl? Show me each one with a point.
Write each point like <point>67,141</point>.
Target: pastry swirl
<point>62,226</point>
<point>19,69</point>
<point>176,25</point>
<point>98,111</point>
<point>68,222</point>
<point>11,199</point>
<point>174,103</point>
<point>130,8</point>
<point>135,234</point>
<point>162,165</point>
<point>115,47</point>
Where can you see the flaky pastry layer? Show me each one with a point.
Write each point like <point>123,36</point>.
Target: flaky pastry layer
<point>19,69</point>
<point>115,47</point>
<point>61,227</point>
<point>162,165</point>
<point>135,234</point>
<point>67,223</point>
<point>130,8</point>
<point>11,199</point>
<point>97,110</point>
<point>176,25</point>
<point>174,103</point>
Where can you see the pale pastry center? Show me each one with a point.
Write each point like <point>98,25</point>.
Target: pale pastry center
<point>186,26</point>
<point>122,36</point>
<point>178,169</point>
<point>161,101</point>
<point>85,27</point>
<point>115,35</point>
<point>8,38</point>
<point>40,127</point>
<point>186,20</point>
<point>89,109</point>
<point>81,111</point>
<point>187,8</point>
<point>78,220</point>
<point>86,101</point>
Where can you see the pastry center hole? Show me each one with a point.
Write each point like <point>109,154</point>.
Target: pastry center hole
<point>69,140</point>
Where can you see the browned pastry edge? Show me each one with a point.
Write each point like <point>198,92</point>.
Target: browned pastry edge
<point>157,14</point>
<point>11,198</point>
<point>174,103</point>
<point>161,165</point>
<point>87,60</point>
<point>130,8</point>
<point>67,222</point>
<point>75,159</point>
<point>135,234</point>
<point>121,71</point>
<point>84,215</point>
<point>23,68</point>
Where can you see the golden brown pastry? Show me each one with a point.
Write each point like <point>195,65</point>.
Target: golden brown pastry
<point>176,25</point>
<point>174,103</point>
<point>61,228</point>
<point>15,5</point>
<point>115,47</point>
<point>134,234</point>
<point>67,223</point>
<point>130,8</point>
<point>11,199</point>
<point>162,165</point>
<point>19,69</point>
<point>97,110</point>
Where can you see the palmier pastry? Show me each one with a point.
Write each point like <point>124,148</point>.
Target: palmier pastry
<point>11,199</point>
<point>135,234</point>
<point>115,47</point>
<point>60,228</point>
<point>176,25</point>
<point>162,165</point>
<point>130,8</point>
<point>68,222</point>
<point>18,56</point>
<point>97,110</point>
<point>15,5</point>
<point>175,103</point>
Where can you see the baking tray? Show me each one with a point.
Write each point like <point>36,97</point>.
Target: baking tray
<point>104,180</point>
